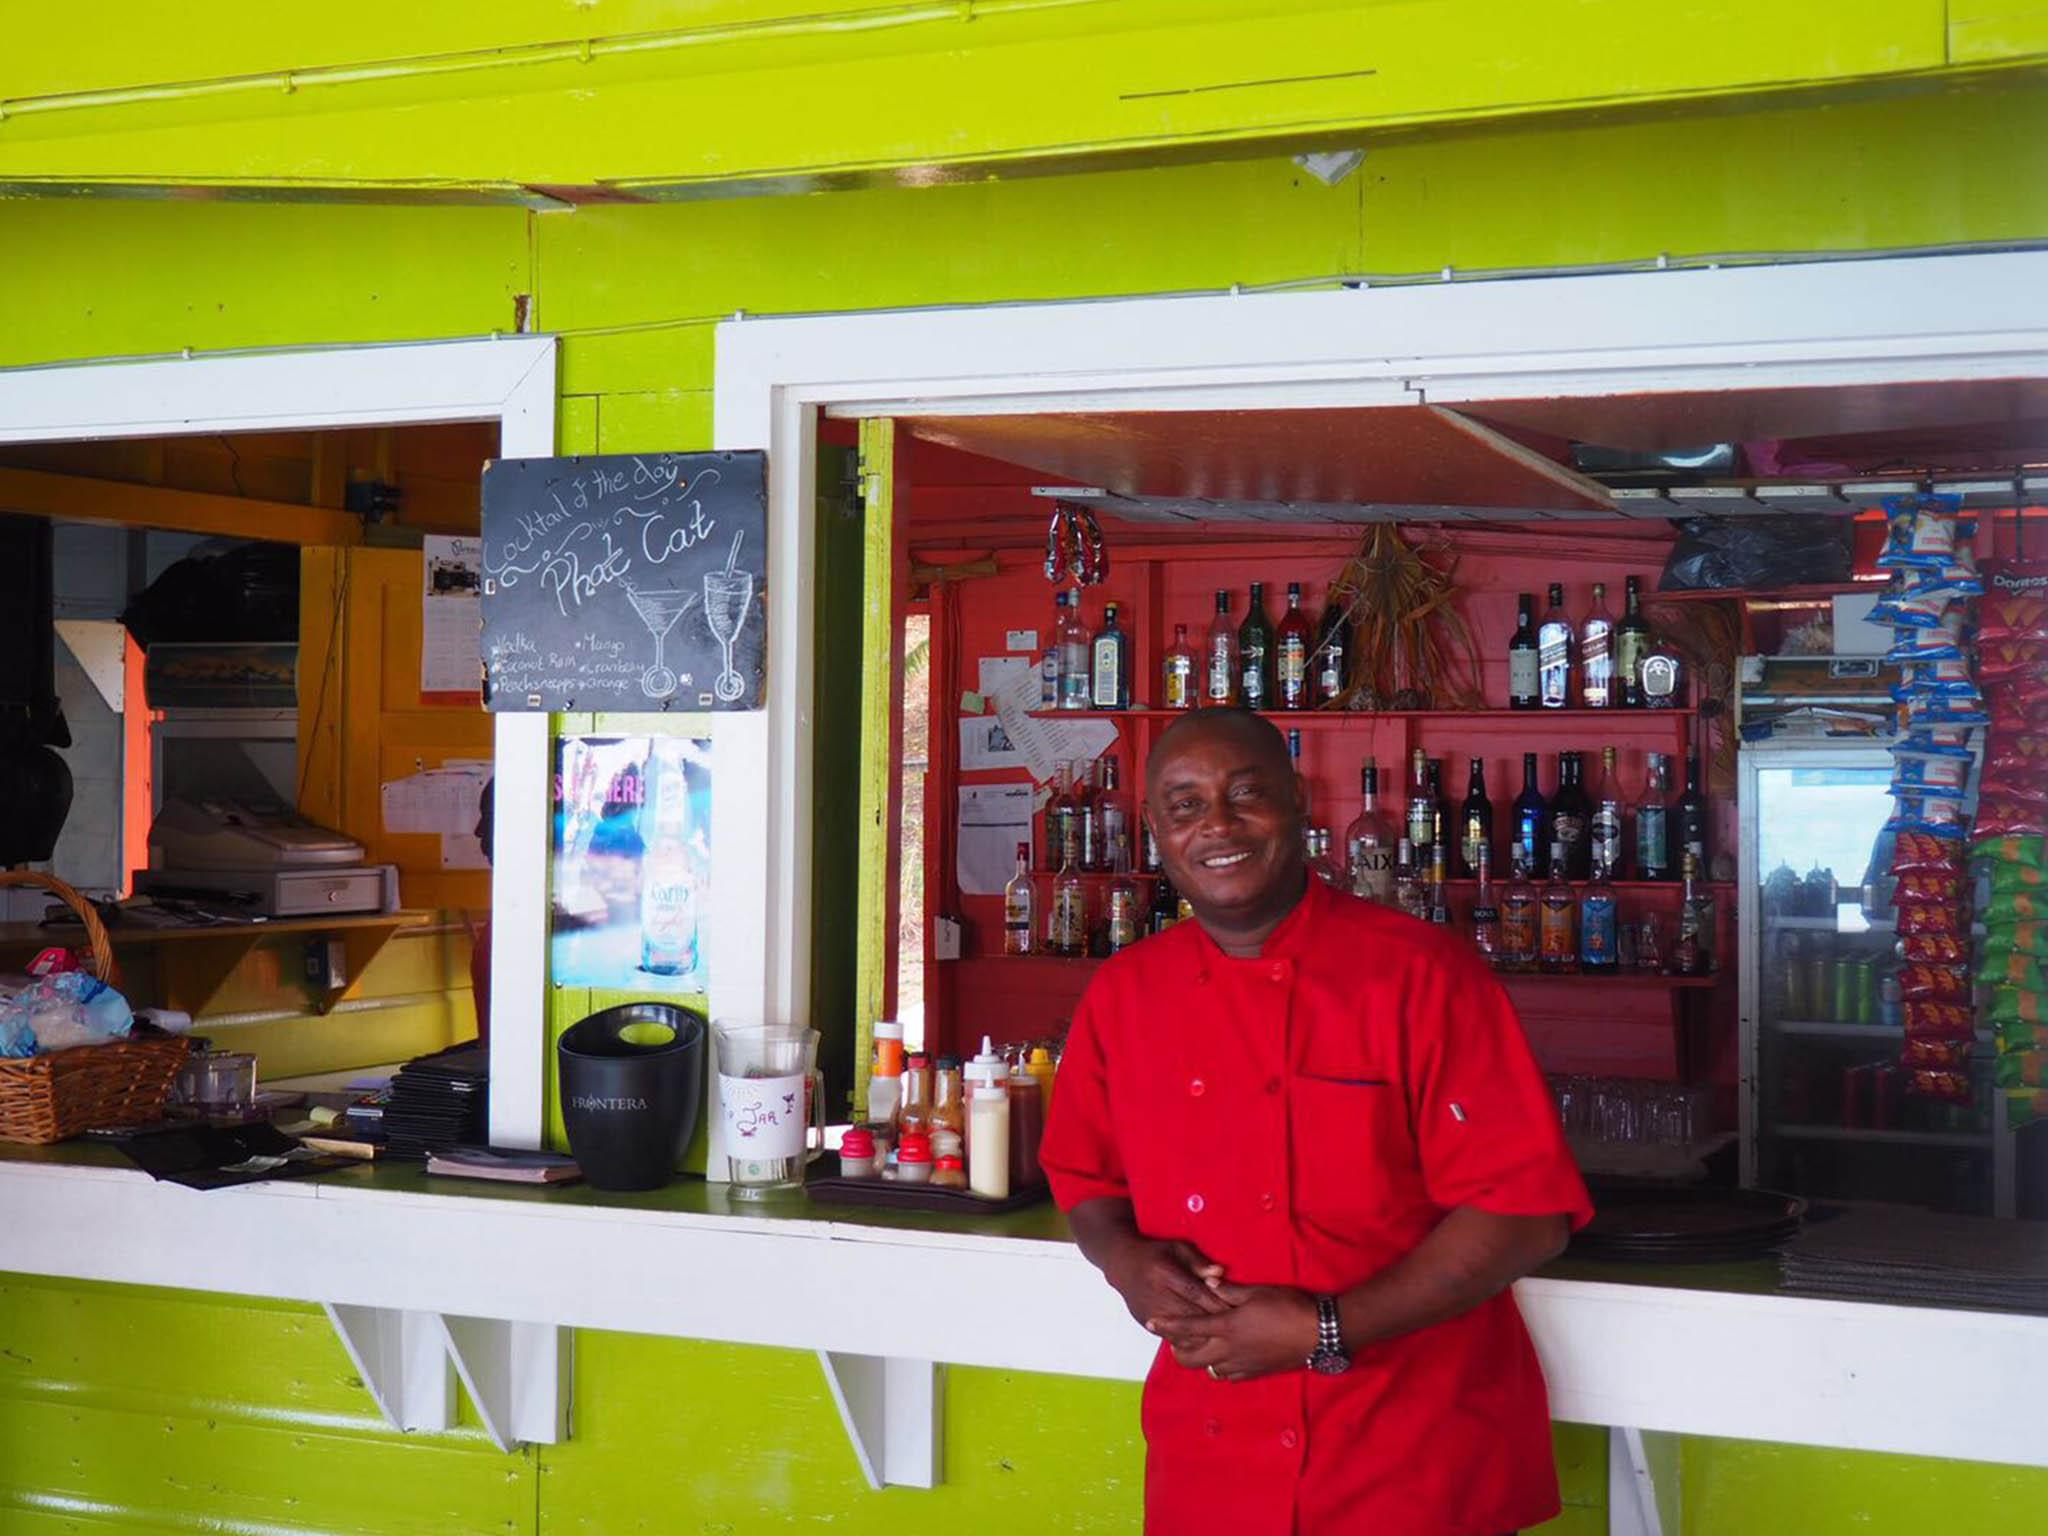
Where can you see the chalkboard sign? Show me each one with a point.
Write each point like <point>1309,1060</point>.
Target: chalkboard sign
<point>629,582</point>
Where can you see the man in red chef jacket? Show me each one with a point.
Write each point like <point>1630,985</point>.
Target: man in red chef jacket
<point>1303,1138</point>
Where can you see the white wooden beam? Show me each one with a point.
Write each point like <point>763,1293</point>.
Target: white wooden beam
<point>517,1375</point>
<point>403,1360</point>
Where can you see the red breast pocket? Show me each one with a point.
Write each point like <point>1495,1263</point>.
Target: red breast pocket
<point>1354,1153</point>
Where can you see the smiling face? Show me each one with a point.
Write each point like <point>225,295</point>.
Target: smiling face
<point>1225,807</point>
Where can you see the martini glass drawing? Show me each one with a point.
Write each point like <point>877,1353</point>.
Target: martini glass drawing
<point>659,610</point>
<point>727,596</point>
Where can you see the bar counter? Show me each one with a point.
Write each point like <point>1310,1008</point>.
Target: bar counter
<point>506,1270</point>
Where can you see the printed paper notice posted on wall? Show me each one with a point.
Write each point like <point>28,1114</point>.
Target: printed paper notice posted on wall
<point>451,620</point>
<point>994,819</point>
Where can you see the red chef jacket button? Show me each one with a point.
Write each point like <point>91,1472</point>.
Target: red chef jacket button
<point>1195,1204</point>
<point>1267,1202</point>
<point>1272,1085</point>
<point>1289,1439</point>
<point>1280,972</point>
<point>1196,1088</point>
<point>1213,1427</point>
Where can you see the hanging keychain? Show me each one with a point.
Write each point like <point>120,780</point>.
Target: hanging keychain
<point>1073,546</point>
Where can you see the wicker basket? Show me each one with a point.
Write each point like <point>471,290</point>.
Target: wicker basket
<point>125,1082</point>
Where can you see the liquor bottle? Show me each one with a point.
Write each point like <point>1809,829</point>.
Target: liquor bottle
<point>1049,663</point>
<point>1519,920</point>
<point>1485,915</point>
<point>1113,818</point>
<point>1596,652</point>
<point>1599,925</point>
<point>1331,664</point>
<point>1529,851</point>
<point>1606,800</point>
<point>668,898</point>
<point>1408,894</point>
<point>1475,821</point>
<point>1694,953</point>
<point>1560,941</point>
<point>1086,793</point>
<point>1443,821</point>
<point>1439,885</point>
<point>1126,923</point>
<point>1631,643</point>
<point>1075,671</point>
<point>1062,820</point>
<point>1066,921</point>
<point>1177,673</point>
<point>1523,692</point>
<point>1554,654</point>
<point>1294,762</point>
<point>1020,906</point>
<point>1653,839</point>
<point>1110,685</point>
<point>1322,862</point>
<point>1292,644</point>
<point>1368,851</point>
<point>1219,659</point>
<point>1571,820</point>
<point>1150,844</point>
<point>1255,653</point>
<point>1691,828</point>
<point>1421,808</point>
<point>1660,676</point>
<point>1165,906</point>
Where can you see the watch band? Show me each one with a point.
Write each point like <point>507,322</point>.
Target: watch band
<point>1330,1357</point>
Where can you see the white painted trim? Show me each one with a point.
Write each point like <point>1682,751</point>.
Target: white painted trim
<point>509,380</point>
<point>1915,1380</point>
<point>517,1375</point>
<point>1864,322</point>
<point>402,1358</point>
<point>893,1411</point>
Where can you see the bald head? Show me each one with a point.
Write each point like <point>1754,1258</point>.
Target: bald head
<point>1258,740</point>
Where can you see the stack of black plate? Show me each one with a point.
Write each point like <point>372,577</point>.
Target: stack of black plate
<point>1687,1226</point>
<point>439,1101</point>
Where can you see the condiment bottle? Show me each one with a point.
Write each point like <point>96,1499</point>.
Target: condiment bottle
<point>885,1072</point>
<point>1027,1128</point>
<point>949,1096</point>
<point>947,1143</point>
<point>1039,1065</point>
<point>857,1154</point>
<point>914,1158</point>
<point>915,1112</point>
<point>988,1141</point>
<point>948,1172</point>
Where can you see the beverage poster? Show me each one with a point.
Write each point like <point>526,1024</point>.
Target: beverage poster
<point>632,863</point>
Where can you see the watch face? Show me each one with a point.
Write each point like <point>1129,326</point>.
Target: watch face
<point>1330,1362</point>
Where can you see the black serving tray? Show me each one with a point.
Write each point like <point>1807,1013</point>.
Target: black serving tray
<point>887,1194</point>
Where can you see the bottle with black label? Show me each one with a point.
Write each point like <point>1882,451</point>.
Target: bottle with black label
<point>1691,819</point>
<point>1530,850</point>
<point>1596,653</point>
<point>1554,643</point>
<point>1110,687</point>
<point>1571,819</point>
<point>1255,653</point>
<point>1475,821</point>
<point>1523,692</point>
<point>1631,644</point>
<point>1606,799</point>
<point>1292,643</point>
<point>1653,823</point>
<point>1219,656</point>
<point>1443,821</point>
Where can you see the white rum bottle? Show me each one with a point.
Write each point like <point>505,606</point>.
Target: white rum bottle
<point>1020,906</point>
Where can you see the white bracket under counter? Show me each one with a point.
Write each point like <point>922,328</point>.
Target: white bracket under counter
<point>517,1374</point>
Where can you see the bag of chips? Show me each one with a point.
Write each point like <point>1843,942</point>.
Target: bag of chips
<point>1939,1021</point>
<point>2022,1036</point>
<point>1933,949</point>
<point>1939,641</point>
<point>1961,572</point>
<point>2023,1106</point>
<point>2020,751</point>
<point>1932,918</point>
<point>2000,817</point>
<point>1934,1083</point>
<point>1920,533</point>
<point>1937,741</point>
<point>1929,813</point>
<point>1920,887</point>
<point>2011,879</point>
<point>1919,711</point>
<point>2002,851</point>
<point>2017,907</point>
<point>2000,659</point>
<point>2015,603</point>
<point>2011,1008</point>
<point>1921,852</point>
<point>2023,783</point>
<point>2021,1069</point>
<point>1951,1055</point>
<point>1933,984</point>
<point>1947,680</point>
<point>2013,969</point>
<point>1912,771</point>
<point>2003,939</point>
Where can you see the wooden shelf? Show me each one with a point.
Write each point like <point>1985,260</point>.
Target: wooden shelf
<point>1613,979</point>
<point>199,960</point>
<point>1971,1140</point>
<point>1676,887</point>
<point>1819,594</point>
<point>1830,1029</point>
<point>1338,718</point>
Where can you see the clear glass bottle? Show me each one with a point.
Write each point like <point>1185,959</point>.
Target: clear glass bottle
<point>1094,855</point>
<point>1331,664</point>
<point>1421,805</point>
<point>1255,653</point>
<point>1126,921</point>
<point>668,895</point>
<point>1520,918</point>
<point>1408,893</point>
<point>1112,817</point>
<point>1020,907</point>
<point>1475,821</point>
<point>914,1114</point>
<point>1530,850</point>
<point>1049,663</point>
<point>1439,885</point>
<point>1062,820</point>
<point>1694,953</point>
<point>1606,801</point>
<point>1596,652</point>
<point>1524,690</point>
<point>1177,681</point>
<point>1560,918</point>
<point>1554,642</point>
<point>1653,822</point>
<point>1631,644</point>
<point>949,1097</point>
<point>1066,920</point>
<point>1110,663</point>
<point>1076,671</point>
<point>1324,865</point>
<point>1292,643</point>
<point>1599,924</point>
<point>1486,936</point>
<point>1368,843</point>
<point>1219,661</point>
<point>1661,675</point>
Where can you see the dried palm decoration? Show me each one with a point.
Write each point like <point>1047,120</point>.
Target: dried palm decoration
<point>1411,646</point>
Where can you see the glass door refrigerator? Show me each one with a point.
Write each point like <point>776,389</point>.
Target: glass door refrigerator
<point>1822,1111</point>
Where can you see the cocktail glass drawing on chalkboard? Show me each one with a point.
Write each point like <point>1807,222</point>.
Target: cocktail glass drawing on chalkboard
<point>728,594</point>
<point>659,611</point>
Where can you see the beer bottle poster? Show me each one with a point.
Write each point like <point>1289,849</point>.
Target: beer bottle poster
<point>632,864</point>
<point>621,582</point>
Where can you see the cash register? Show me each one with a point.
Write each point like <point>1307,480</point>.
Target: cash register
<point>260,859</point>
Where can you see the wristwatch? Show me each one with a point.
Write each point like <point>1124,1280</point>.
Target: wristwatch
<point>1330,1358</point>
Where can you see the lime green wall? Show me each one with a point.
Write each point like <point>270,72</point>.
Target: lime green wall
<point>161,1411</point>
